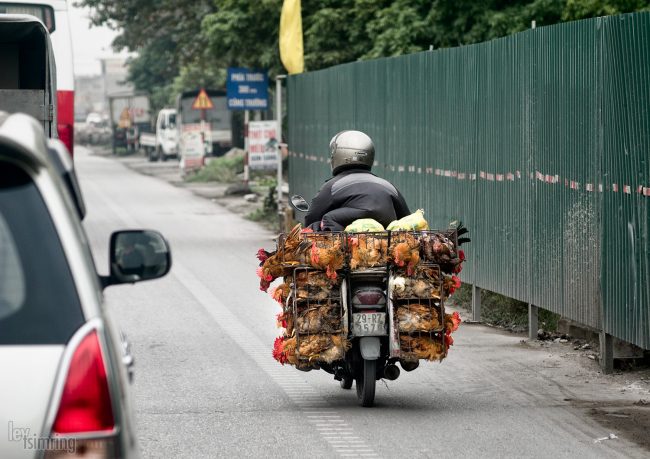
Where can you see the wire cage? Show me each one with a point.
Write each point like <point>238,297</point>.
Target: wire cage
<point>441,248</point>
<point>410,248</point>
<point>418,313</point>
<point>318,316</point>
<point>323,250</point>
<point>367,250</point>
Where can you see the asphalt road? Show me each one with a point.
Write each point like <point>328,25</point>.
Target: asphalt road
<point>207,386</point>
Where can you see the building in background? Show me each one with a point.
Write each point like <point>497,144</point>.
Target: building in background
<point>93,91</point>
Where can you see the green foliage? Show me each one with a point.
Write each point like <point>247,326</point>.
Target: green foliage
<point>185,44</point>
<point>268,213</point>
<point>244,34</point>
<point>221,169</point>
<point>583,9</point>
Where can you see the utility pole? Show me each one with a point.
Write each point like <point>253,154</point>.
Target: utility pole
<point>278,115</point>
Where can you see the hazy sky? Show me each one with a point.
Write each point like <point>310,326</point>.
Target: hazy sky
<point>88,44</point>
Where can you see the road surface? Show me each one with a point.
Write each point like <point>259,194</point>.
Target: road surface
<point>207,386</point>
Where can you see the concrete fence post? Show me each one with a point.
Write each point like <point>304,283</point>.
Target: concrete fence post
<point>606,352</point>
<point>476,303</point>
<point>533,321</point>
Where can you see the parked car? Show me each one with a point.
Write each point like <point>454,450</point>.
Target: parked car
<point>65,367</point>
<point>163,143</point>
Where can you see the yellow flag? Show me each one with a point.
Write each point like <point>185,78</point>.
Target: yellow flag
<point>291,52</point>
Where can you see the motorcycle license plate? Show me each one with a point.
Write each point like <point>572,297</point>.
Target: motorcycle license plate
<point>368,323</point>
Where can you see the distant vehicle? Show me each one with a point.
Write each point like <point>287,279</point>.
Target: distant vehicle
<point>65,367</point>
<point>130,116</point>
<point>163,143</point>
<point>197,140</point>
<point>27,75</point>
<point>94,118</point>
<point>54,15</point>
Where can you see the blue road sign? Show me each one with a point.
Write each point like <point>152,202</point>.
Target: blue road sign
<point>247,89</point>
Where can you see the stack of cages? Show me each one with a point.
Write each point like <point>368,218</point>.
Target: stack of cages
<point>417,293</point>
<point>317,308</point>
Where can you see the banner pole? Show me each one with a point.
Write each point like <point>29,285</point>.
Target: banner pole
<point>246,172</point>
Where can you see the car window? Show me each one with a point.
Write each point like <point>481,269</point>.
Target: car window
<point>38,300</point>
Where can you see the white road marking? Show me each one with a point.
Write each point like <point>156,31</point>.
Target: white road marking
<point>239,333</point>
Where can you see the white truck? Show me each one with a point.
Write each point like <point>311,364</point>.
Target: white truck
<point>163,143</point>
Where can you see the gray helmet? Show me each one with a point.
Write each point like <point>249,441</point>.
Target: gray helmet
<point>351,149</point>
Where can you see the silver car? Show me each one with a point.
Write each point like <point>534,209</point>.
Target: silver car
<point>64,375</point>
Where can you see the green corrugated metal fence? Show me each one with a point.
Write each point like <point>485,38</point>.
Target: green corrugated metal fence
<point>539,142</point>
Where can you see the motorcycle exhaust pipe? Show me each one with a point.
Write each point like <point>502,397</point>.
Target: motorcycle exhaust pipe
<point>409,365</point>
<point>391,372</point>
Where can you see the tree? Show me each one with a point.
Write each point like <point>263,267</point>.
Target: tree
<point>187,43</point>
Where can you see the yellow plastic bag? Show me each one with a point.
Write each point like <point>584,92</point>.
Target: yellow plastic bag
<point>413,222</point>
<point>364,225</point>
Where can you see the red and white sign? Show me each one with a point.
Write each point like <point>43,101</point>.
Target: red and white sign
<point>263,145</point>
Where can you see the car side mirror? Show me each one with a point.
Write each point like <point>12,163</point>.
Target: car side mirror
<point>299,203</point>
<point>137,255</point>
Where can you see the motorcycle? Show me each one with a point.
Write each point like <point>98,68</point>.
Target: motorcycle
<point>370,325</point>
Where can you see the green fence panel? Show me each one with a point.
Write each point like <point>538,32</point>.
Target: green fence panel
<point>539,142</point>
<point>626,161</point>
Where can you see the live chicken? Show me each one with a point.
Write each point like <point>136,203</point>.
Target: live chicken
<point>405,252</point>
<point>417,317</point>
<point>327,254</point>
<point>421,347</point>
<point>367,251</point>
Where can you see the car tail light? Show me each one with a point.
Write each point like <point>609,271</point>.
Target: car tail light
<point>86,402</point>
<point>65,118</point>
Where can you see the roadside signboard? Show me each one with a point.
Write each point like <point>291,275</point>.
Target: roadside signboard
<point>202,101</point>
<point>263,145</point>
<point>195,142</point>
<point>247,89</point>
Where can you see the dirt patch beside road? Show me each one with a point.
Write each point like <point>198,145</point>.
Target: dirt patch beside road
<point>631,421</point>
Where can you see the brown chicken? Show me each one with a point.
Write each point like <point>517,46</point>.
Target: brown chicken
<point>327,254</point>
<point>270,270</point>
<point>315,285</point>
<point>405,252</point>
<point>295,247</point>
<point>340,345</point>
<point>421,347</point>
<point>438,248</point>
<point>417,317</point>
<point>319,319</point>
<point>285,320</point>
<point>289,350</point>
<point>367,251</point>
<point>281,293</point>
<point>326,348</point>
<point>415,287</point>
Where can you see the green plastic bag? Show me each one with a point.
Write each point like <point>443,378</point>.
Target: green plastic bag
<point>364,225</point>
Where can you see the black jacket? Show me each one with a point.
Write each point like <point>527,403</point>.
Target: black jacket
<point>353,194</point>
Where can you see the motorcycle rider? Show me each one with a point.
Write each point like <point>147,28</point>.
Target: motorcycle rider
<point>354,192</point>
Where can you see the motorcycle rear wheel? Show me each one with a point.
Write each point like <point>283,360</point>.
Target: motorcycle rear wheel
<point>366,383</point>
